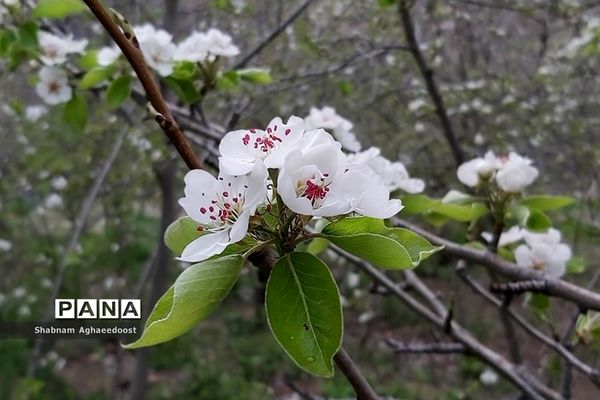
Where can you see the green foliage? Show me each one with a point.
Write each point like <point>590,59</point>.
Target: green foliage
<point>184,89</point>
<point>119,91</point>
<point>438,212</point>
<point>195,294</point>
<point>76,113</point>
<point>529,217</point>
<point>181,233</point>
<point>547,203</point>
<point>255,75</point>
<point>58,8</point>
<point>304,311</point>
<point>576,265</point>
<point>588,328</point>
<point>371,240</point>
<point>95,77</point>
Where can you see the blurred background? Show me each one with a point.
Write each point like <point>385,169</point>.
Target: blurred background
<point>514,75</point>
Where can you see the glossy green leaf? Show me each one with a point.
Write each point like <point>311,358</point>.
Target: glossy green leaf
<point>119,91</point>
<point>255,75</point>
<point>195,294</point>
<point>185,90</point>
<point>371,240</point>
<point>439,211</point>
<point>317,246</point>
<point>76,113</point>
<point>88,60</point>
<point>530,218</point>
<point>28,35</point>
<point>181,233</point>
<point>228,81</point>
<point>58,8</point>
<point>95,77</point>
<point>547,203</point>
<point>304,311</point>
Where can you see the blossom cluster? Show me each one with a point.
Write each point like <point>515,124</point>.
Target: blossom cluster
<point>512,174</point>
<point>157,45</point>
<point>287,167</point>
<point>394,174</point>
<point>540,251</point>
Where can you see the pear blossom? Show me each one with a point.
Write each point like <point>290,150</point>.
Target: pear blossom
<point>510,236</point>
<point>394,174</point>
<point>200,46</point>
<point>53,86</point>
<point>516,173</point>
<point>488,377</point>
<point>222,207</point>
<point>59,183</point>
<point>327,118</point>
<point>55,49</point>
<point>240,150</point>
<point>158,48</point>
<point>318,181</point>
<point>34,113</point>
<point>108,55</point>
<point>472,172</point>
<point>5,245</point>
<point>544,252</point>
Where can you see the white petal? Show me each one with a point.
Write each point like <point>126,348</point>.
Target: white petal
<point>523,256</point>
<point>206,246</point>
<point>240,228</point>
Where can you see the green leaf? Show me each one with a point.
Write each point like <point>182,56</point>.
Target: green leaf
<point>386,3</point>
<point>95,76</point>
<point>588,328</point>
<point>181,233</point>
<point>119,91</point>
<point>185,230</point>
<point>28,35</point>
<point>76,113</point>
<point>371,240</point>
<point>255,75</point>
<point>576,265</point>
<point>58,8</point>
<point>317,246</point>
<point>185,70</point>
<point>304,311</point>
<point>547,203</point>
<point>88,60</point>
<point>228,81</point>
<point>530,218</point>
<point>195,294</point>
<point>185,90</point>
<point>438,211</point>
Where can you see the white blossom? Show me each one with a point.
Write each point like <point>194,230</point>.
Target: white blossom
<point>472,172</point>
<point>59,183</point>
<point>352,279</point>
<point>242,149</point>
<point>510,236</point>
<point>108,55</point>
<point>5,245</point>
<point>158,48</point>
<point>318,181</point>
<point>55,49</point>
<point>488,377</point>
<point>34,113</point>
<point>544,252</point>
<point>200,46</point>
<point>53,86</point>
<point>394,174</point>
<point>327,118</point>
<point>516,173</point>
<point>222,207</point>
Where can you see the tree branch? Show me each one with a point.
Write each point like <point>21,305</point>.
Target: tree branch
<point>554,287</point>
<point>134,55</point>
<point>430,84</point>
<point>363,390</point>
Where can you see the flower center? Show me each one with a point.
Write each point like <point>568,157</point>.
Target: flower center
<point>314,190</point>
<point>223,211</point>
<point>53,87</point>
<point>266,142</point>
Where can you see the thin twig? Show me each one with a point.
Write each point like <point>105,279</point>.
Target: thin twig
<point>555,287</point>
<point>430,84</point>
<point>254,52</point>
<point>426,348</point>
<point>134,55</point>
<point>363,389</point>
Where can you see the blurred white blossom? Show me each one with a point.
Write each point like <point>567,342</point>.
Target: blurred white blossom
<point>55,49</point>
<point>544,252</point>
<point>158,48</point>
<point>108,55</point>
<point>488,377</point>
<point>327,118</point>
<point>53,86</point>
<point>200,46</point>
